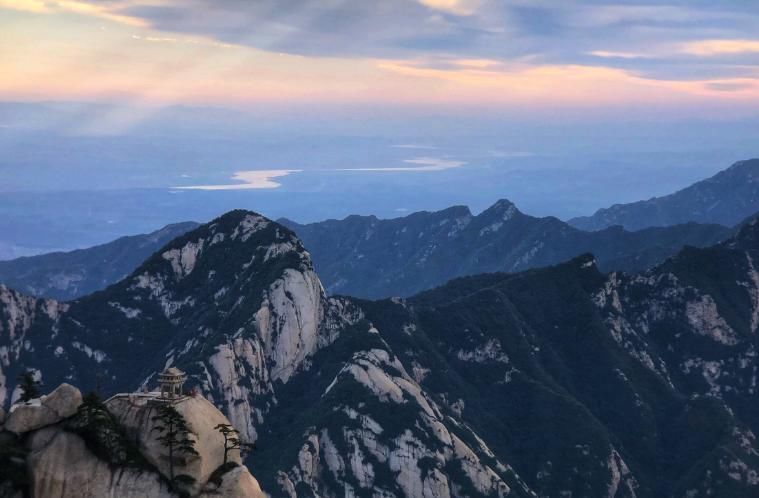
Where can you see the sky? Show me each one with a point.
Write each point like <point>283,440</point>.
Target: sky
<point>522,53</point>
<point>181,109</point>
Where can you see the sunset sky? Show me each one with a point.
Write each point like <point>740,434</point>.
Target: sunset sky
<point>120,116</point>
<point>537,53</point>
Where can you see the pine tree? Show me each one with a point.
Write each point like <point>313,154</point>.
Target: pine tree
<point>100,430</point>
<point>174,435</point>
<point>92,411</point>
<point>29,386</point>
<point>231,439</point>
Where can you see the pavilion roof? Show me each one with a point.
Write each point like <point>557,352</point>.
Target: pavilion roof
<point>172,372</point>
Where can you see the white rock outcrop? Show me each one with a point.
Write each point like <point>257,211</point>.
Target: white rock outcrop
<point>47,410</point>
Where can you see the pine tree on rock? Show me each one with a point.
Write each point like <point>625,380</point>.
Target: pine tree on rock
<point>92,411</point>
<point>102,432</point>
<point>175,436</point>
<point>29,386</point>
<point>231,439</point>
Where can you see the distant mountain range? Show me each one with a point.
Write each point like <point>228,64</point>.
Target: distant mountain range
<point>560,381</point>
<point>367,257</point>
<point>364,256</point>
<point>68,275</point>
<point>726,198</point>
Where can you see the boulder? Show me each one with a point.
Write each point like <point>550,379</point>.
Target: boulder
<point>201,417</point>
<point>64,400</point>
<point>236,483</point>
<point>47,410</point>
<point>61,466</point>
<point>30,416</point>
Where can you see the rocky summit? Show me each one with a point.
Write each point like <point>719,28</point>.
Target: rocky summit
<point>562,381</point>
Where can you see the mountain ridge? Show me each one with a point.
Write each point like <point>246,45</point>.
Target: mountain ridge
<point>372,258</point>
<point>725,198</point>
<point>69,275</point>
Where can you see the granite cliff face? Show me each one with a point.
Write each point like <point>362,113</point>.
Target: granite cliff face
<point>563,381</point>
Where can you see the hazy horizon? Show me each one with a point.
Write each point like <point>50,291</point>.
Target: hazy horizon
<point>120,117</point>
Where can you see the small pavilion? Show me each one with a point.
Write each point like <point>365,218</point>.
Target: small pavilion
<point>170,382</point>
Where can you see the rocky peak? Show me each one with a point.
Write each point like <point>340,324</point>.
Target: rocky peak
<point>233,237</point>
<point>19,315</point>
<point>19,310</point>
<point>496,217</point>
<point>240,250</point>
<point>246,306</point>
<point>235,303</point>
<point>503,209</point>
